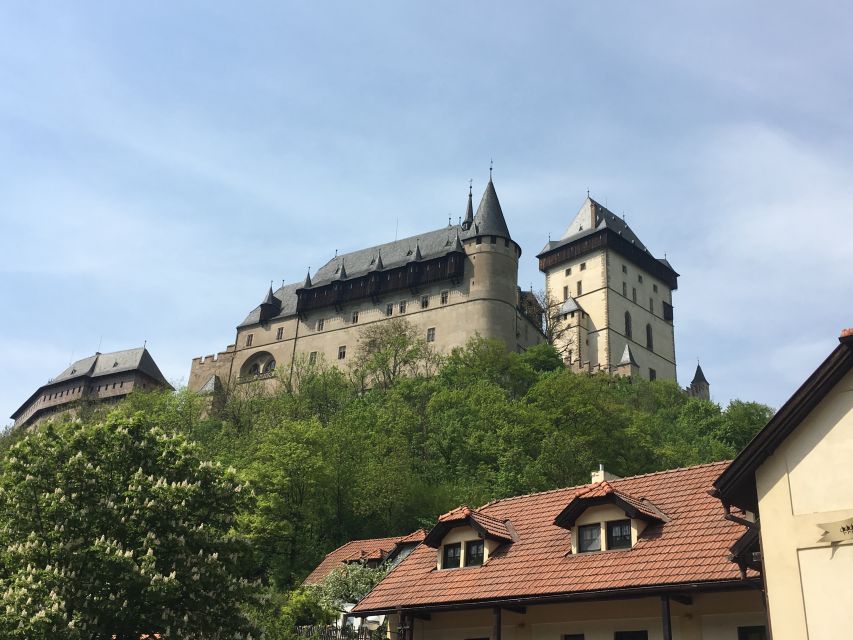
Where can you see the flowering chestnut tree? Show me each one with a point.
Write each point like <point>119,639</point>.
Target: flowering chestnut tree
<point>118,529</point>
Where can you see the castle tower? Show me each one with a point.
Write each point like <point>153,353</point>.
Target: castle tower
<point>699,386</point>
<point>615,293</point>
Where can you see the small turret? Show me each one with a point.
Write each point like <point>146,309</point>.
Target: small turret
<point>340,272</point>
<point>469,212</point>
<point>457,244</point>
<point>377,264</point>
<point>699,386</point>
<point>307,283</point>
<point>489,219</point>
<point>418,255</point>
<point>270,307</point>
<point>627,366</point>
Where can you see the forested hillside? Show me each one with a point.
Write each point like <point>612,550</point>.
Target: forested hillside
<point>402,436</point>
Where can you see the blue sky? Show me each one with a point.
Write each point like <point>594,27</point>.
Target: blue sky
<point>161,162</point>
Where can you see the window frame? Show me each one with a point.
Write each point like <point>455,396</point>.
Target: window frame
<point>609,537</point>
<point>354,317</point>
<point>389,309</point>
<point>445,296</point>
<point>468,555</point>
<point>342,352</point>
<point>425,302</point>
<point>457,546</point>
<point>430,334</point>
<point>250,338</point>
<point>596,526</point>
<point>279,333</point>
<point>402,306</point>
<point>321,323</point>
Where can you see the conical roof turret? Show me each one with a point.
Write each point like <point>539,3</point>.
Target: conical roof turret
<point>489,219</point>
<point>699,376</point>
<point>418,255</point>
<point>271,299</point>
<point>307,283</point>
<point>457,243</point>
<point>469,212</point>
<point>628,356</point>
<point>377,264</point>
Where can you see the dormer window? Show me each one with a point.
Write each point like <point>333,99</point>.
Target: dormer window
<point>451,556</point>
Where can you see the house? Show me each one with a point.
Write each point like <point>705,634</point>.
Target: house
<point>644,557</point>
<point>100,378</point>
<point>794,480</point>
<point>372,552</point>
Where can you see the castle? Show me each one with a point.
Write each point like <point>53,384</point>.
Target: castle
<point>608,300</point>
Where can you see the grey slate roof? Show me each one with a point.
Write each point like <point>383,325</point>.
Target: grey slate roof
<point>570,305</point>
<point>102,364</point>
<point>489,220</point>
<point>628,356</point>
<point>604,218</point>
<point>699,376</point>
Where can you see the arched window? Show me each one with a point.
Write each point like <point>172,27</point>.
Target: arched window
<point>269,367</point>
<point>255,369</point>
<point>650,341</point>
<point>628,332</point>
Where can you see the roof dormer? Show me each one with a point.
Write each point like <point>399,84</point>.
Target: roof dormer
<point>602,518</point>
<point>466,537</point>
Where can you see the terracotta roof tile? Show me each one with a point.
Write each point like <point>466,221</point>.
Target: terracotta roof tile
<point>361,550</point>
<point>691,546</point>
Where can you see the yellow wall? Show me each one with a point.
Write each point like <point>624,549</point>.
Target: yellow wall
<point>807,481</point>
<point>713,616</point>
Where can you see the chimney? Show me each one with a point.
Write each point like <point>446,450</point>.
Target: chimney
<point>601,475</point>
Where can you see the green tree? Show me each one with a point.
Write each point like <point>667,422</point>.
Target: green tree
<point>388,350</point>
<point>117,529</point>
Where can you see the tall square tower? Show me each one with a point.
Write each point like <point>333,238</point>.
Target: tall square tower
<point>609,298</point>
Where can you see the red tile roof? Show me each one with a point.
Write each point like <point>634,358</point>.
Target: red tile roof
<point>601,493</point>
<point>691,546</point>
<point>487,525</point>
<point>361,550</point>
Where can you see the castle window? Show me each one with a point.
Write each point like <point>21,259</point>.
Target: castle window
<point>650,341</point>
<point>634,293</point>
<point>653,375</point>
<point>639,277</point>
<point>655,288</point>
<point>506,242</point>
<point>321,322</point>
<point>450,557</point>
<point>342,352</point>
<point>269,367</point>
<point>424,302</point>
<point>254,370</point>
<point>583,266</point>
<point>652,305</point>
<point>580,288</point>
<point>431,334</point>
<point>667,312</point>
<point>494,240</point>
<point>279,333</point>
<point>624,269</point>
<point>589,537</point>
<point>389,309</point>
<point>474,553</point>
<point>445,295</point>
<point>569,271</point>
<point>312,357</point>
<point>625,289</point>
<point>479,240</point>
<point>628,332</point>
<point>619,534</point>
<point>565,293</point>
<point>569,357</point>
<point>354,317</point>
<point>402,306</point>
<point>249,339</point>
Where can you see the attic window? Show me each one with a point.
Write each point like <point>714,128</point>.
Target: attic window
<point>619,534</point>
<point>589,537</point>
<point>451,556</point>
<point>474,553</point>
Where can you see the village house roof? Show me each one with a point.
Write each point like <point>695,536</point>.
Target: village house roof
<point>685,545</point>
<point>489,220</point>
<point>371,549</point>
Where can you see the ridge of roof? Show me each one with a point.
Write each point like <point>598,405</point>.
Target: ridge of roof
<point>581,486</point>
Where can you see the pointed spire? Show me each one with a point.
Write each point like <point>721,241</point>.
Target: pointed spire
<point>418,255</point>
<point>628,356</point>
<point>698,377</point>
<point>270,299</point>
<point>490,218</point>
<point>469,210</point>
<point>342,273</point>
<point>457,243</point>
<point>307,283</point>
<point>378,265</point>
